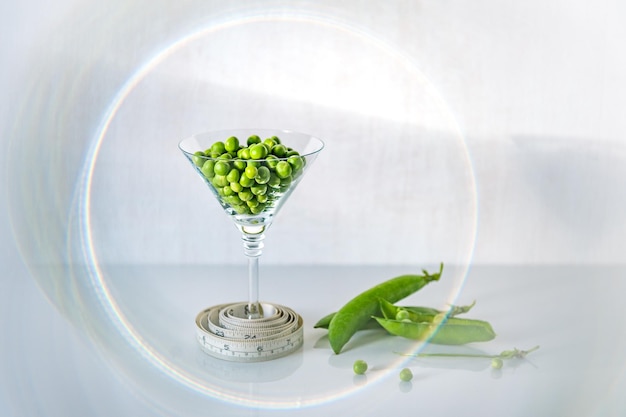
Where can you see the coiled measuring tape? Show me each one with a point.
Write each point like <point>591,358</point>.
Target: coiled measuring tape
<point>224,333</point>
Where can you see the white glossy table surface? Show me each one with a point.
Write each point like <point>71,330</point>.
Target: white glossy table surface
<point>125,345</point>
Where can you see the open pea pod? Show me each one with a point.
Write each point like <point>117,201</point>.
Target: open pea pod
<point>452,331</point>
<point>389,311</point>
<point>325,321</point>
<point>420,314</point>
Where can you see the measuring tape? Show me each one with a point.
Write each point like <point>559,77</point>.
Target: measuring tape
<point>224,333</point>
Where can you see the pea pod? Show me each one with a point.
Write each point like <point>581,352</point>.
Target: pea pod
<point>390,311</point>
<point>417,310</point>
<point>453,331</point>
<point>358,311</point>
<point>325,321</point>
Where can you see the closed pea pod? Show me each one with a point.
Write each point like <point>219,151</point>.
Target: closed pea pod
<point>354,314</point>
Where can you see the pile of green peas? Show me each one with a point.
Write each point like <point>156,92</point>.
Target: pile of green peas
<point>249,178</point>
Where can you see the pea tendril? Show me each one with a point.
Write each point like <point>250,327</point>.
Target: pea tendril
<point>505,354</point>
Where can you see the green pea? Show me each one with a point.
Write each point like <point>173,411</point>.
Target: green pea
<point>276,140</point>
<point>220,181</point>
<point>236,187</point>
<point>225,156</point>
<point>198,159</point>
<point>270,143</point>
<point>231,144</point>
<point>418,315</point>
<point>283,169</point>
<point>496,363</point>
<point>233,175</point>
<point>227,191</point>
<point>260,189</point>
<point>253,140</point>
<point>291,152</point>
<point>234,200</point>
<point>271,161</point>
<point>262,175</point>
<point>218,148</point>
<point>359,367</point>
<point>246,181</point>
<point>295,162</point>
<point>285,182</point>
<point>221,168</point>
<point>279,150</point>
<point>252,202</point>
<point>258,151</point>
<point>274,181</point>
<point>402,315</point>
<point>239,164</point>
<point>257,209</point>
<point>245,195</point>
<point>356,312</point>
<point>419,312</point>
<point>241,209</point>
<point>245,153</point>
<point>406,375</point>
<point>262,198</point>
<point>251,172</point>
<point>208,169</point>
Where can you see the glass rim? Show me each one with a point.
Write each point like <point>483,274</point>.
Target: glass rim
<point>226,133</point>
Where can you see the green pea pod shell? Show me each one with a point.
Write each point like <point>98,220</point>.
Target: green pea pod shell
<point>358,311</point>
<point>324,322</point>
<point>452,331</point>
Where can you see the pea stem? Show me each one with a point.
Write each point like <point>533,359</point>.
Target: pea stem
<point>506,354</point>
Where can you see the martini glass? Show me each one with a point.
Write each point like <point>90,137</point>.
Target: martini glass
<point>252,203</point>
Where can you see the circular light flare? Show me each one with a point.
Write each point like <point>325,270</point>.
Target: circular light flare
<point>96,274</point>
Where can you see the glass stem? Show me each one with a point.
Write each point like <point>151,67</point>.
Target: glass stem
<point>253,247</point>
